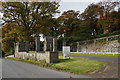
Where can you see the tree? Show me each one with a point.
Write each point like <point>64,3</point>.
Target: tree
<point>84,31</point>
<point>108,24</point>
<point>108,7</point>
<point>91,15</point>
<point>100,13</point>
<point>67,20</point>
<point>32,16</point>
<point>23,19</point>
<point>54,31</point>
<point>109,21</point>
<point>9,36</point>
<point>91,12</point>
<point>119,16</point>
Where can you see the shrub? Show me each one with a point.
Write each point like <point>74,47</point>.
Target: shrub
<point>108,34</point>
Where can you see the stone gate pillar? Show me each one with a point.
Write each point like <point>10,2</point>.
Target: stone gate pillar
<point>48,44</point>
<point>22,47</point>
<point>16,50</point>
<point>45,44</point>
<point>54,44</point>
<point>77,46</point>
<point>17,47</point>
<point>26,46</point>
<point>37,44</point>
<point>94,50</point>
<point>64,43</point>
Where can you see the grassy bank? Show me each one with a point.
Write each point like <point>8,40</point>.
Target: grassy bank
<point>94,54</point>
<point>32,51</point>
<point>72,65</point>
<point>77,65</point>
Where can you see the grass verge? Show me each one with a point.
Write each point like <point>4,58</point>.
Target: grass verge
<point>94,54</point>
<point>32,52</point>
<point>77,65</point>
<point>72,65</point>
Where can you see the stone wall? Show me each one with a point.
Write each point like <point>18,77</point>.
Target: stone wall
<point>101,45</point>
<point>49,56</point>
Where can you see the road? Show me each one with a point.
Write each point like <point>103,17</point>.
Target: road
<point>98,58</point>
<point>16,69</point>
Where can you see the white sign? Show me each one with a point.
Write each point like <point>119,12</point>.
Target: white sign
<point>66,51</point>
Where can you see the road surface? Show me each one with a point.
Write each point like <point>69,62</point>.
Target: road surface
<point>98,58</point>
<point>16,69</point>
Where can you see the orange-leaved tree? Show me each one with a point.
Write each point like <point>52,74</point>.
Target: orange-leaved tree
<point>108,24</point>
<point>9,35</point>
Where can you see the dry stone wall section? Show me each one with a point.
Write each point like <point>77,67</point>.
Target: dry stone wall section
<point>100,47</point>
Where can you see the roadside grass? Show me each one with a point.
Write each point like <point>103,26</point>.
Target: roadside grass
<point>94,54</point>
<point>77,65</point>
<point>32,52</point>
<point>72,65</point>
<point>41,63</point>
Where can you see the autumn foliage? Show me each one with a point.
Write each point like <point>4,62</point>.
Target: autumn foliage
<point>108,24</point>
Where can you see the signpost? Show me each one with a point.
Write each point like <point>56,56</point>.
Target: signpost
<point>66,51</point>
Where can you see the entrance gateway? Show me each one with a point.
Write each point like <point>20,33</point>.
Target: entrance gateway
<point>49,54</point>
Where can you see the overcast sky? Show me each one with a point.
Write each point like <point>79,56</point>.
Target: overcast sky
<point>77,5</point>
